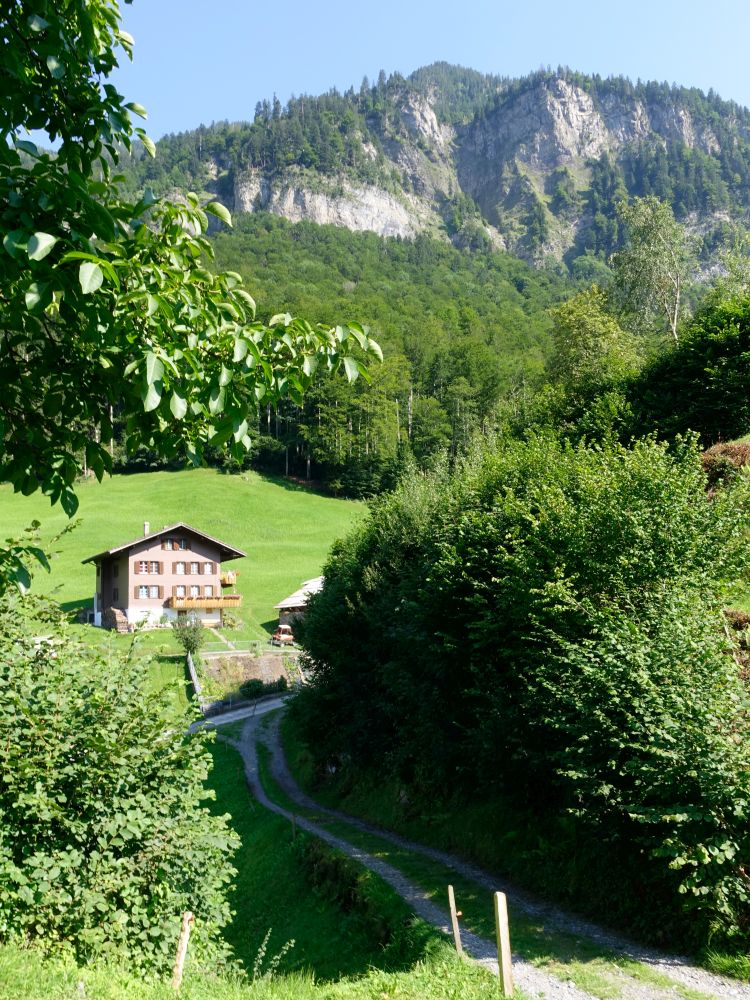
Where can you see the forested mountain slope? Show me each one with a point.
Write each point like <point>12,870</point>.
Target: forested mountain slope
<point>459,331</point>
<point>535,165</point>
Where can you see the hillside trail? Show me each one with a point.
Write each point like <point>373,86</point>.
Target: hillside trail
<point>686,979</point>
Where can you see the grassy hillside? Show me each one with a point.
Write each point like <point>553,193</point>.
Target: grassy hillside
<point>285,530</point>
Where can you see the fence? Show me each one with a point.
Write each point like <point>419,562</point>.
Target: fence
<point>197,686</point>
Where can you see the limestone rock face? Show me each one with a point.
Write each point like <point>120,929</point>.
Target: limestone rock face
<point>490,175</point>
<point>343,204</point>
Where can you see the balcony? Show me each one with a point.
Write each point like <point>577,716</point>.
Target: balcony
<point>204,603</point>
<point>229,577</point>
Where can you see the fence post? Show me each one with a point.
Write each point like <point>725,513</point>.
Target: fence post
<point>182,946</point>
<point>504,962</point>
<point>454,920</point>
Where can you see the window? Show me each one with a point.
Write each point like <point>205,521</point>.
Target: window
<point>142,590</point>
<point>116,570</point>
<point>115,594</point>
<point>179,568</point>
<point>154,591</point>
<point>208,568</point>
<point>208,590</point>
<point>147,566</point>
<point>195,567</point>
<point>195,590</point>
<point>183,543</point>
<point>179,590</point>
<point>168,544</point>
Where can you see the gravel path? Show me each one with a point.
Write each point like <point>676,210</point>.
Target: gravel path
<point>531,980</point>
<point>678,968</point>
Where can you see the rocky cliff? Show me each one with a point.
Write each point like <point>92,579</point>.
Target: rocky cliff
<point>536,166</point>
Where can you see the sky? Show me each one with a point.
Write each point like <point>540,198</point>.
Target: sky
<point>198,61</point>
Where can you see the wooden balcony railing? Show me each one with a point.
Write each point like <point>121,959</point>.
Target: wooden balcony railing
<point>205,603</point>
<point>229,578</point>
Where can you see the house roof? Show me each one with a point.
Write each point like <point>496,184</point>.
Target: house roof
<point>226,551</point>
<point>299,598</point>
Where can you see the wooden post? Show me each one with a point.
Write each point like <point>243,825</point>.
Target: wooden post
<point>504,962</point>
<point>454,920</point>
<point>182,946</point>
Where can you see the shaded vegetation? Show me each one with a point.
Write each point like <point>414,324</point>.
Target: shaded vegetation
<point>557,610</point>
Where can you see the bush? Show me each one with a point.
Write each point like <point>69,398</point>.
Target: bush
<point>104,837</point>
<point>190,633</point>
<point>255,688</point>
<point>544,629</point>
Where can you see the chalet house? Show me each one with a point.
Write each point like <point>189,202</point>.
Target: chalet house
<point>294,606</point>
<point>163,575</point>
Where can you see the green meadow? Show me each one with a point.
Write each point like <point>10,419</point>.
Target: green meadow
<point>285,529</point>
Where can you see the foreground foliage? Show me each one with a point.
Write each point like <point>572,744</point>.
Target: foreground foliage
<point>107,303</point>
<point>543,632</point>
<point>104,837</point>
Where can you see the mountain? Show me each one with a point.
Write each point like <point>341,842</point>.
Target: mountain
<point>534,166</point>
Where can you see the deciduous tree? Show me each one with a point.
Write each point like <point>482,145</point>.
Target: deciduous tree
<point>652,270</point>
<point>107,302</point>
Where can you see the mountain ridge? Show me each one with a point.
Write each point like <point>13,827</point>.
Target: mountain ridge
<point>534,166</point>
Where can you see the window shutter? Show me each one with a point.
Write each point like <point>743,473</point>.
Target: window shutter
<point>135,567</point>
<point>135,592</point>
<point>161,591</point>
<point>161,568</point>
<point>174,568</point>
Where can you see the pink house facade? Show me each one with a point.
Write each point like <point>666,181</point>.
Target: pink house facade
<point>163,575</point>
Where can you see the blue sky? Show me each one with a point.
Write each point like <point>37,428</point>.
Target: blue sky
<point>197,62</point>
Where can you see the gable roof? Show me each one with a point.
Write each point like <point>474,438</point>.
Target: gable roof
<point>226,551</point>
<point>299,598</point>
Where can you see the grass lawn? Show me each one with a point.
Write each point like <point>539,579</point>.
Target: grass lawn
<point>285,530</point>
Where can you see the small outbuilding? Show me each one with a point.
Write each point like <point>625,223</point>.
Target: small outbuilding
<point>293,607</point>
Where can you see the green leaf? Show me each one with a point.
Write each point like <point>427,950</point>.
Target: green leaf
<point>36,293</point>
<point>374,348</point>
<point>40,245</point>
<point>27,146</point>
<point>216,400</point>
<point>351,367</point>
<point>217,209</point>
<point>240,350</point>
<point>151,396</point>
<point>15,241</point>
<point>178,406</point>
<point>22,579</point>
<point>249,301</point>
<point>90,277</point>
<point>56,68</point>
<point>69,501</point>
<point>280,319</point>
<point>154,368</point>
<point>310,364</point>
<point>137,109</point>
<point>148,143</point>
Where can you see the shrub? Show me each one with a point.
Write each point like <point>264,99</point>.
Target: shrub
<point>190,633</point>
<point>104,838</point>
<point>255,688</point>
<point>544,628</point>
